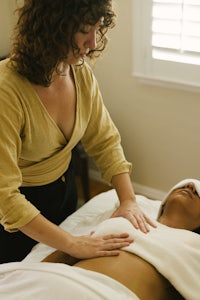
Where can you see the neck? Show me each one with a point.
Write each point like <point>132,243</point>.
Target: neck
<point>178,224</point>
<point>174,222</point>
<point>63,71</point>
<point>61,77</point>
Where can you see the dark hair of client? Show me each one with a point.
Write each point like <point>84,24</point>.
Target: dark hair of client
<point>44,34</point>
<point>197,230</point>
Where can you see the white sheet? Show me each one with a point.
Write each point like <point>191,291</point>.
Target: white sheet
<point>90,215</point>
<point>31,279</point>
<point>48,281</point>
<point>43,281</point>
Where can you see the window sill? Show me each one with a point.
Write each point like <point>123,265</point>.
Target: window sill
<point>167,84</point>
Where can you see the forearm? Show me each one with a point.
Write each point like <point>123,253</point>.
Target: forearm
<point>86,246</point>
<point>129,208</point>
<point>44,231</point>
<point>124,188</point>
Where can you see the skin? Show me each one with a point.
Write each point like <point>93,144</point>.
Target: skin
<point>59,100</point>
<point>186,201</point>
<point>181,210</point>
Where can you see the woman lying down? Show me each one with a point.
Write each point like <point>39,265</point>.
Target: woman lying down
<point>162,264</point>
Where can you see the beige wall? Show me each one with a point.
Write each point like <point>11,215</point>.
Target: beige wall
<point>160,126</point>
<point>6,22</point>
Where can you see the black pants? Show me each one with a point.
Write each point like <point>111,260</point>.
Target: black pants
<point>55,201</point>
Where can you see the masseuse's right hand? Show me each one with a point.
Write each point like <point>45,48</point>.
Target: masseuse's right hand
<point>44,231</point>
<point>108,245</point>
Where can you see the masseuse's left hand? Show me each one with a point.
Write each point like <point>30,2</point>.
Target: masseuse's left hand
<point>129,208</point>
<point>132,212</point>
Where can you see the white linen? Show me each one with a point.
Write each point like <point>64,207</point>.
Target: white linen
<point>173,252</point>
<point>31,279</point>
<point>175,257</point>
<point>48,281</point>
<point>84,220</point>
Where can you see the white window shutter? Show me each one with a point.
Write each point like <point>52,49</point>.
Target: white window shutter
<point>176,30</point>
<point>166,36</point>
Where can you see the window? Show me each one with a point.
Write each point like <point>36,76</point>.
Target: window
<point>167,40</point>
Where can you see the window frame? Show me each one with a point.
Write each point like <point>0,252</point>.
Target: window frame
<point>154,71</point>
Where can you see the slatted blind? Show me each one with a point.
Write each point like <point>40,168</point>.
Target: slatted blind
<point>176,30</point>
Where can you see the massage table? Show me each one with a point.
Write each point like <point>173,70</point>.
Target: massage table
<point>31,279</point>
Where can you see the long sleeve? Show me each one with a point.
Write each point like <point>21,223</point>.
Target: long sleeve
<point>101,139</point>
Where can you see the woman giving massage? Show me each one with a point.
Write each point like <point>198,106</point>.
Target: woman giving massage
<point>178,213</point>
<point>49,101</point>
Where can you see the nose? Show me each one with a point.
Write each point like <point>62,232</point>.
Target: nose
<point>92,40</point>
<point>191,186</point>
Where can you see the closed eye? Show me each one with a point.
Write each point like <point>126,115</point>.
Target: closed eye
<point>85,29</point>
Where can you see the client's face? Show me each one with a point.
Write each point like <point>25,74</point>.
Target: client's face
<point>184,204</point>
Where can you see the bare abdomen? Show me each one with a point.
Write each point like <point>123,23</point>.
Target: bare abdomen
<point>135,273</point>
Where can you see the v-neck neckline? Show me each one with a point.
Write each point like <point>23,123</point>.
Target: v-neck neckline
<point>36,96</point>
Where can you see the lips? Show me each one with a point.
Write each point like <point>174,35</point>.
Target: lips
<point>186,192</point>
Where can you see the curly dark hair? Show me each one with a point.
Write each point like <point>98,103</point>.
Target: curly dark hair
<point>44,34</point>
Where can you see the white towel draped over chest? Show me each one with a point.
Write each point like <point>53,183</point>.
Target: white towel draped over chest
<point>175,253</point>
